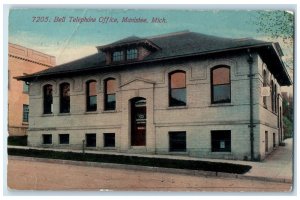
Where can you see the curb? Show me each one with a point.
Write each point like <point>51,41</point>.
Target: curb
<point>152,169</point>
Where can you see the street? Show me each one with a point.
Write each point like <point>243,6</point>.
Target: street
<point>33,175</point>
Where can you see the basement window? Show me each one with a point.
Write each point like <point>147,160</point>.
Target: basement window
<point>47,139</point>
<point>109,140</point>
<point>90,139</point>
<point>177,141</point>
<point>63,138</point>
<point>221,141</point>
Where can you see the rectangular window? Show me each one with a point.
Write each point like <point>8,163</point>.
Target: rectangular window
<point>177,88</point>
<point>132,54</point>
<point>178,97</point>
<point>117,56</point>
<point>25,87</point>
<point>110,102</point>
<point>90,139</point>
<point>25,112</point>
<point>109,140</point>
<point>220,84</point>
<point>47,139</point>
<point>221,93</point>
<point>63,138</point>
<point>221,141</point>
<point>177,141</point>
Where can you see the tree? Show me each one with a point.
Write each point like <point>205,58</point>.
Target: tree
<point>276,24</point>
<point>288,116</point>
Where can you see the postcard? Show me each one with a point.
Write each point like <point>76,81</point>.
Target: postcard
<point>150,100</point>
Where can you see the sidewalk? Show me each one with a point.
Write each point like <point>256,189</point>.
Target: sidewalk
<point>276,167</point>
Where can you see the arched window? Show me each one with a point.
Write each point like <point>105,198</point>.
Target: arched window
<point>48,99</point>
<point>64,96</point>
<point>220,85</point>
<point>91,95</point>
<point>177,88</point>
<point>265,82</point>
<point>275,98</point>
<point>110,88</point>
<point>272,95</point>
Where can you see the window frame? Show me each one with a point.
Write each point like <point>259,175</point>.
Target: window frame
<point>25,87</point>
<point>25,118</point>
<point>120,57</point>
<point>129,54</point>
<point>62,105</point>
<point>86,140</point>
<point>90,108</point>
<point>272,96</point>
<point>219,149</point>
<point>105,139</point>
<point>171,142</point>
<point>44,99</point>
<point>60,139</point>
<point>212,85</point>
<point>50,137</point>
<point>265,83</point>
<point>106,105</point>
<point>172,104</point>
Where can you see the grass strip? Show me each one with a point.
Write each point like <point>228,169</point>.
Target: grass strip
<point>133,160</point>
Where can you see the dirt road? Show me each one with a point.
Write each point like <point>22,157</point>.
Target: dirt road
<point>32,175</point>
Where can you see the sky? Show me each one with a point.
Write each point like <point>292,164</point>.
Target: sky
<point>72,40</point>
<point>57,38</point>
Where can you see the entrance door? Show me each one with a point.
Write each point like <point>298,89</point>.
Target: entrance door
<point>138,121</point>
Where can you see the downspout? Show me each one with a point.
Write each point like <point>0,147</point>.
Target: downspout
<point>250,62</point>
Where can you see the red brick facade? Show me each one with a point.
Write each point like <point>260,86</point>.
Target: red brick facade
<point>21,61</point>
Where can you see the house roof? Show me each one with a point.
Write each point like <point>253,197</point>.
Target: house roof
<point>174,45</point>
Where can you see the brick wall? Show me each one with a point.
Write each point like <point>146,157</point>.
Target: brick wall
<point>22,61</point>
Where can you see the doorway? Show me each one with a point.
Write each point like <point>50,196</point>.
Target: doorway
<point>138,121</point>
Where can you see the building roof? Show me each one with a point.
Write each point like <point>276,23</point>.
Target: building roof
<point>174,45</point>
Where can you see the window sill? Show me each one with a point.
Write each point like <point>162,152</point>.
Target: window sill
<point>48,115</point>
<point>177,107</point>
<point>109,111</point>
<point>91,112</point>
<point>90,148</point>
<point>220,104</point>
<point>25,123</point>
<point>47,145</point>
<point>178,152</point>
<point>63,114</point>
<point>221,152</point>
<point>109,148</point>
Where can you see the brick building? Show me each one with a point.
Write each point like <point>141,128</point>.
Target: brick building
<point>181,93</point>
<point>22,61</point>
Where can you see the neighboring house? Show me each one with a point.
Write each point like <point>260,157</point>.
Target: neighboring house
<point>22,61</point>
<point>182,93</point>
